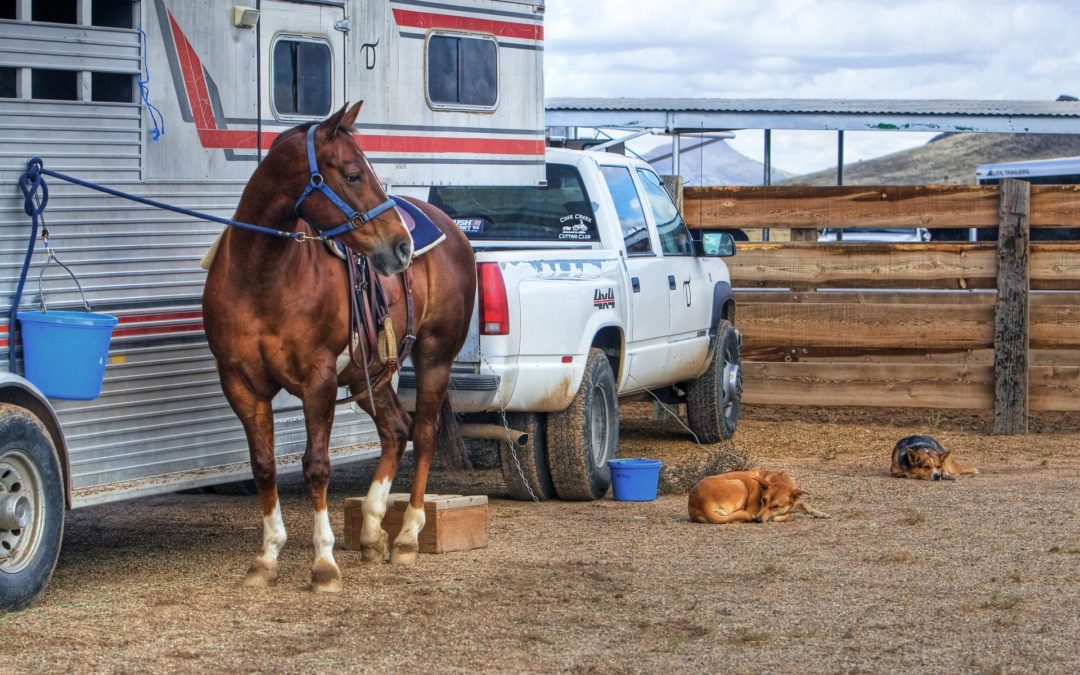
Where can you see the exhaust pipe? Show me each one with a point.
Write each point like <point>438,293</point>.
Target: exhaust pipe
<point>495,432</point>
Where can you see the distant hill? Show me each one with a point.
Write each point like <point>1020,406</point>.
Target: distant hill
<point>947,158</point>
<point>723,164</point>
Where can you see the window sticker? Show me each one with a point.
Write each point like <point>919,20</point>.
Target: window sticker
<point>575,227</point>
<point>470,225</point>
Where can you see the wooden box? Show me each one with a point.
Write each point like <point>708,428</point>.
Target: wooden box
<point>454,522</point>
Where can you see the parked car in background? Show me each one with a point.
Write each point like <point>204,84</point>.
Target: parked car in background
<point>873,235</point>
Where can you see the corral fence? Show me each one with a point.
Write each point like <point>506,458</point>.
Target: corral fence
<point>975,325</point>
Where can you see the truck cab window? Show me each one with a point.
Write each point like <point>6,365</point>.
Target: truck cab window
<point>629,208</point>
<point>462,72</point>
<point>674,235</point>
<point>301,75</point>
<point>560,211</point>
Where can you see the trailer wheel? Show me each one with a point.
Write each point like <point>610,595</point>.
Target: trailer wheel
<point>713,400</point>
<point>525,470</point>
<point>31,507</point>
<point>582,438</point>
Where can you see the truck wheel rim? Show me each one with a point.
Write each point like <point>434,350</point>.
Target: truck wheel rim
<point>601,417</point>
<point>732,381</point>
<point>19,475</point>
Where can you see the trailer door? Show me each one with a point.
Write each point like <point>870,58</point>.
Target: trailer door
<point>303,55</point>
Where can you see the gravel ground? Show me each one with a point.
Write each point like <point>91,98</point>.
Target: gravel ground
<point>977,575</point>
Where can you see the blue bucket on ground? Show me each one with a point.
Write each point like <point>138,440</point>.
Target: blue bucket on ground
<point>64,353</point>
<point>634,479</point>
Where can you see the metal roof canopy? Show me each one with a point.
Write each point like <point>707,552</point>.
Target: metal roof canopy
<point>700,115</point>
<point>688,115</point>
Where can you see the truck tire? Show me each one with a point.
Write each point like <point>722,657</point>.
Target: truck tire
<point>31,507</point>
<point>525,470</point>
<point>713,400</point>
<point>582,438</point>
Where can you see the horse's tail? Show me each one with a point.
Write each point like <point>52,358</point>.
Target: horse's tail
<point>451,443</point>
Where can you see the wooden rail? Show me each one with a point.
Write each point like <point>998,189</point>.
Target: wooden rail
<point>984,325</point>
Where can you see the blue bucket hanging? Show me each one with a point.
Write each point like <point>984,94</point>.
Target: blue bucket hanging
<point>64,352</point>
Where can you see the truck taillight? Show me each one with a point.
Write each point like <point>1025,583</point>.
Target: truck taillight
<point>494,313</point>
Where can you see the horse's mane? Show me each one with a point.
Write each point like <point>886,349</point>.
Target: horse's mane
<point>302,128</point>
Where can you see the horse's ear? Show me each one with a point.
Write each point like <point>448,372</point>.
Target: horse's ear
<point>334,121</point>
<point>350,116</point>
<point>343,118</point>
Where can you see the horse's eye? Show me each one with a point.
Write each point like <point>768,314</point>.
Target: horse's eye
<point>352,178</point>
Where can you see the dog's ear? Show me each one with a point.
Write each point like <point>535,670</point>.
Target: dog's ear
<point>910,456</point>
<point>945,454</point>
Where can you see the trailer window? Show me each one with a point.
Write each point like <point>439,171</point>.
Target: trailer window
<point>55,11</point>
<point>112,87</point>
<point>302,75</point>
<point>112,13</point>
<point>462,72</point>
<point>7,83</point>
<point>557,212</point>
<point>57,85</point>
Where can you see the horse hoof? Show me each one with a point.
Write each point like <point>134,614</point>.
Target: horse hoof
<point>329,586</point>
<point>261,574</point>
<point>325,577</point>
<point>375,553</point>
<point>401,556</point>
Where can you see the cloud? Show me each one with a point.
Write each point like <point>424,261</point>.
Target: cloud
<point>962,49</point>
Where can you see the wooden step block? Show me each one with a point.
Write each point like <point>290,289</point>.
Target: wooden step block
<point>454,522</point>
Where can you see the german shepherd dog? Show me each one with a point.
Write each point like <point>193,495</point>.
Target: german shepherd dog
<point>923,457</point>
<point>744,496</point>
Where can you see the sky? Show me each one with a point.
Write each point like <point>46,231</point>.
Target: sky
<point>844,49</point>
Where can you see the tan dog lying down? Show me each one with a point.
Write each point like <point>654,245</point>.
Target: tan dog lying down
<point>744,496</point>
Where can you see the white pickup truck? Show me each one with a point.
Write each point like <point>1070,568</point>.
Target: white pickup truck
<point>591,290</point>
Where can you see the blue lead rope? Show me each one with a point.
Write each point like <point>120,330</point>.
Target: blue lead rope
<point>33,180</point>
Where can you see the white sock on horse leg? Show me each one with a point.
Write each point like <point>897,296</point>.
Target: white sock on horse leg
<point>274,536</point>
<point>411,524</point>
<point>374,509</point>
<point>323,536</point>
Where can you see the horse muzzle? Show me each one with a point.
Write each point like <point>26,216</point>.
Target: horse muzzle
<point>392,259</point>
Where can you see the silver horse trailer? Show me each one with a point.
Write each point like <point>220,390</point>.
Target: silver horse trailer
<point>177,100</point>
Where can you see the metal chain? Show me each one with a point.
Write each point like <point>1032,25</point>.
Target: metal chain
<point>511,445</point>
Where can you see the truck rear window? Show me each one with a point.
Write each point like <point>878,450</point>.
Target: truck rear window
<point>557,212</point>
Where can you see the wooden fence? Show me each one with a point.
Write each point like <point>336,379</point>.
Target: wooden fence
<point>985,325</point>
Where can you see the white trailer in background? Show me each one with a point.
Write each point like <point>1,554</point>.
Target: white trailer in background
<point>177,100</point>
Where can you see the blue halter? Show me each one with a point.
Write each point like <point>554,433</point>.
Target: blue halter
<point>353,218</point>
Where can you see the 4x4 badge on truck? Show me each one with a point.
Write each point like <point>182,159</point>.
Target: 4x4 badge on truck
<point>604,299</point>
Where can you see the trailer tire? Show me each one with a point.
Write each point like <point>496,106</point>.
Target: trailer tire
<point>525,470</point>
<point>582,438</point>
<point>713,401</point>
<point>32,493</point>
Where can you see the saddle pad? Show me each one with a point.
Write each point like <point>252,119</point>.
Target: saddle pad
<point>426,234</point>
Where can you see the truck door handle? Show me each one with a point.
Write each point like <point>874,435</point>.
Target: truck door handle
<point>671,281</point>
<point>635,283</point>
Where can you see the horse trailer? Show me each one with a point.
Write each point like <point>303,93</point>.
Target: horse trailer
<point>177,101</point>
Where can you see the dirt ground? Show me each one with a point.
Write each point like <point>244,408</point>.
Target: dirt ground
<point>980,575</point>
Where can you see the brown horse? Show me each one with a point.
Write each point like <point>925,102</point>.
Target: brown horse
<point>276,311</point>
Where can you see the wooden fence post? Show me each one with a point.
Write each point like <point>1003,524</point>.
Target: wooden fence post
<point>1011,312</point>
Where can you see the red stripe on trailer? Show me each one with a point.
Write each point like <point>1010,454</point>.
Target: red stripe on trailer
<point>506,29</point>
<point>210,136</point>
